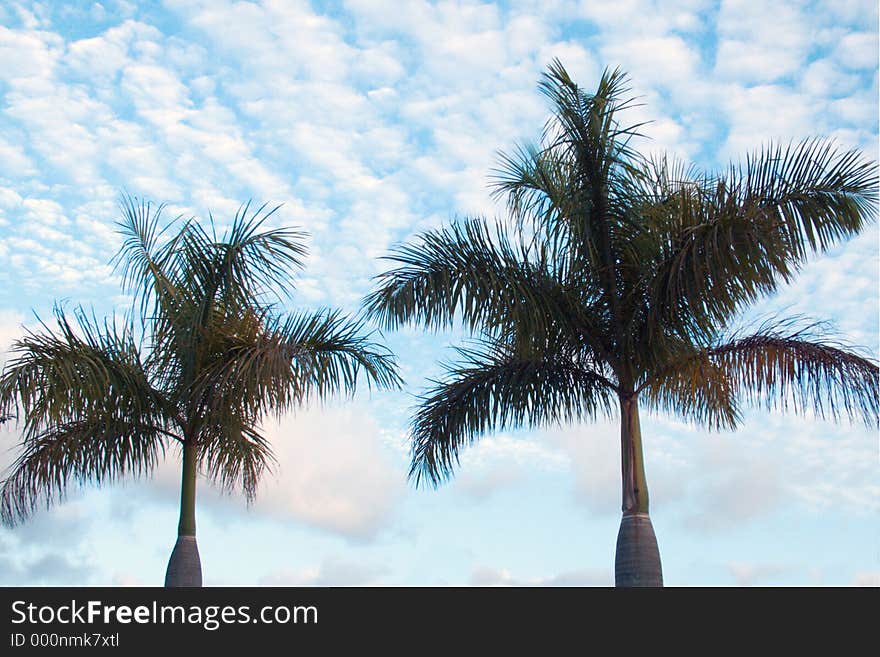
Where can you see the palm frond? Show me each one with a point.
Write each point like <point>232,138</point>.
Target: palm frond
<point>248,262</point>
<point>463,268</point>
<point>493,388</point>
<point>98,448</point>
<point>565,187</point>
<point>72,371</point>
<point>277,364</point>
<point>475,271</point>
<point>586,124</point>
<point>148,261</point>
<point>543,195</point>
<point>695,389</point>
<point>803,369</point>
<point>786,365</point>
<point>731,239</point>
<point>234,454</point>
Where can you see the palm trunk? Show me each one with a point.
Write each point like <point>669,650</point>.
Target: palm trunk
<point>637,560</point>
<point>185,567</point>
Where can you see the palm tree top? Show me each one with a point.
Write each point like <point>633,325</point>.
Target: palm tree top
<point>620,276</point>
<point>202,360</point>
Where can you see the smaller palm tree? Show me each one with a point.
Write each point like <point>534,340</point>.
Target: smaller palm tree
<point>200,363</point>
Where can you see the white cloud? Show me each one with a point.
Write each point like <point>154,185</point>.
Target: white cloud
<point>332,473</point>
<point>866,578</point>
<point>53,568</point>
<point>488,576</point>
<point>641,57</point>
<point>749,574</point>
<point>101,58</point>
<point>732,485</point>
<point>644,18</point>
<point>824,78</point>
<point>126,580</point>
<point>580,62</point>
<point>10,330</point>
<point>25,55</point>
<point>480,486</point>
<point>331,572</point>
<point>30,554</point>
<point>760,43</point>
<point>594,453</point>
<point>764,113</point>
<point>520,450</point>
<point>13,160</point>
<point>858,50</point>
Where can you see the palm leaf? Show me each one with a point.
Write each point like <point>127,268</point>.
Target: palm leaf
<point>475,271</point>
<point>781,365</point>
<point>68,372</point>
<point>275,364</point>
<point>100,448</point>
<point>731,239</point>
<point>234,454</point>
<point>496,387</point>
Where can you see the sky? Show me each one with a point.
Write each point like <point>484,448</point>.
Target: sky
<point>371,121</point>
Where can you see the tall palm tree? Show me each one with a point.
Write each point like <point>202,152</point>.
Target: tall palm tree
<point>202,360</point>
<point>618,285</point>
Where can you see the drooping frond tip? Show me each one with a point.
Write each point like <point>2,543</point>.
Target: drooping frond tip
<point>234,455</point>
<point>97,449</point>
<point>783,364</point>
<point>806,369</point>
<point>496,387</point>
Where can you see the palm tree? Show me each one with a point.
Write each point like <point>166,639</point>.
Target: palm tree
<point>617,287</point>
<point>202,360</point>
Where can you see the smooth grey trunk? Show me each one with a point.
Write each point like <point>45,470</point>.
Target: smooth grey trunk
<point>637,559</point>
<point>185,567</point>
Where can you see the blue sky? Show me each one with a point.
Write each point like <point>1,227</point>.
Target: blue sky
<point>372,120</point>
